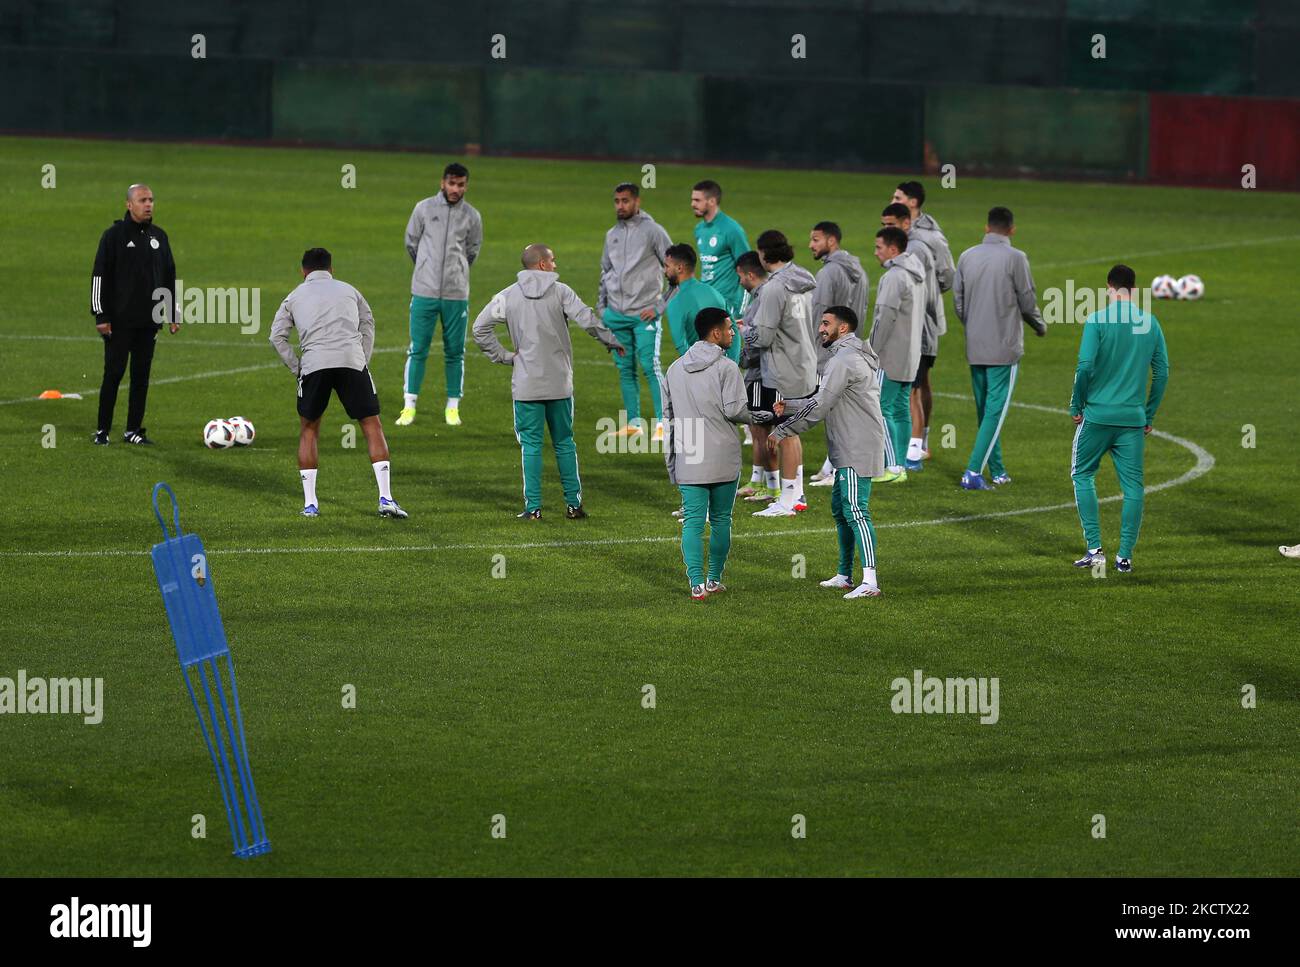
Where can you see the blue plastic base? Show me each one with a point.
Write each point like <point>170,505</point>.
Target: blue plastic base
<point>257,849</point>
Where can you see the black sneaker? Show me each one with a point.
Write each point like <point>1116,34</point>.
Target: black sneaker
<point>137,437</point>
<point>1123,564</point>
<point>575,513</point>
<point>100,439</point>
<point>529,515</point>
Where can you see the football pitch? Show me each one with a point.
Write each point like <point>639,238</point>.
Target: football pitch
<point>500,666</point>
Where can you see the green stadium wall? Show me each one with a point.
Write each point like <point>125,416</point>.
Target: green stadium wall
<point>651,116</point>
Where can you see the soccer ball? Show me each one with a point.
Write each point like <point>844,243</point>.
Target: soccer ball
<point>244,431</point>
<point>1189,287</point>
<point>1162,287</point>
<point>218,434</point>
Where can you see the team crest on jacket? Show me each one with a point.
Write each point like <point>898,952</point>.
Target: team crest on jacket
<point>713,242</point>
<point>153,243</point>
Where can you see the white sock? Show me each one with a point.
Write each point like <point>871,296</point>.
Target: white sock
<point>453,402</point>
<point>798,480</point>
<point>925,439</point>
<point>869,576</point>
<point>914,448</point>
<point>771,479</point>
<point>410,399</point>
<point>757,476</point>
<point>381,477</point>
<point>826,469</point>
<point>308,487</point>
<point>896,468</point>
<point>788,493</point>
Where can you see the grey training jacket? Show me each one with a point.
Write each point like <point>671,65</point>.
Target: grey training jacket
<point>925,227</point>
<point>788,358</point>
<point>704,398</point>
<point>537,311</point>
<point>900,317</point>
<point>336,329</point>
<point>936,322</point>
<point>993,295</point>
<point>632,266</point>
<point>841,281</point>
<point>443,241</point>
<point>749,354</point>
<point>849,401</point>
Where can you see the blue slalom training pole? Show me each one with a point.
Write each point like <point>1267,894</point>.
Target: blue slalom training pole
<point>181,566</point>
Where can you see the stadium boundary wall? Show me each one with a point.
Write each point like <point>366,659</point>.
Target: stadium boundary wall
<point>655,116</point>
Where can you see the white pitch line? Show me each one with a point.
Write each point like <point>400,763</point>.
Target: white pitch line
<point>197,343</point>
<point>1131,256</point>
<point>1204,464</point>
<point>192,376</point>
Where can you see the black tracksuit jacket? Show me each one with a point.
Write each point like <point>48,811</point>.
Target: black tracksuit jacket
<point>134,260</point>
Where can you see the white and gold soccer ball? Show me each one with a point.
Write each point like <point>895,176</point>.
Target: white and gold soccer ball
<point>1189,287</point>
<point>244,430</point>
<point>218,435</point>
<point>1162,287</point>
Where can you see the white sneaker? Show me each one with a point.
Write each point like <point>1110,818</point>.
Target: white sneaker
<point>863,591</point>
<point>775,509</point>
<point>822,481</point>
<point>839,581</point>
<point>1292,551</point>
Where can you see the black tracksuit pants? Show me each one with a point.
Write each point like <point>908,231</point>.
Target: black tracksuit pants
<point>135,344</point>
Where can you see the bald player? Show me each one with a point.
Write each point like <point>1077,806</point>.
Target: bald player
<point>537,310</point>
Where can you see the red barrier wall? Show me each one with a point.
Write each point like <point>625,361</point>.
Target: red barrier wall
<point>1194,139</point>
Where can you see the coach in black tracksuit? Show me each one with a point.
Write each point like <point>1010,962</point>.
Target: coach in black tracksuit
<point>133,261</point>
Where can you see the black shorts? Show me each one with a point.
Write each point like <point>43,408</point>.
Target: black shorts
<point>762,397</point>
<point>355,388</point>
<point>927,364</point>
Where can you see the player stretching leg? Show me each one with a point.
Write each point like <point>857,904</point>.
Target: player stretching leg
<point>336,334</point>
<point>787,358</point>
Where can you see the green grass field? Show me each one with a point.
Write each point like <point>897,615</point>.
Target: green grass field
<point>521,696</point>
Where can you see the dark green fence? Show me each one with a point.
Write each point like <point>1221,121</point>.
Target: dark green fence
<point>1193,46</point>
<point>1010,128</point>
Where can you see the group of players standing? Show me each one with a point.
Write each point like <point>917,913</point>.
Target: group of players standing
<point>727,306</point>
<point>797,336</point>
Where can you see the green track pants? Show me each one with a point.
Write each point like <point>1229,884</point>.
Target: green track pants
<point>641,340</point>
<point>424,319</point>
<point>532,419</point>
<point>849,506</point>
<point>896,408</point>
<point>992,386</point>
<point>714,501</point>
<point>1126,445</point>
